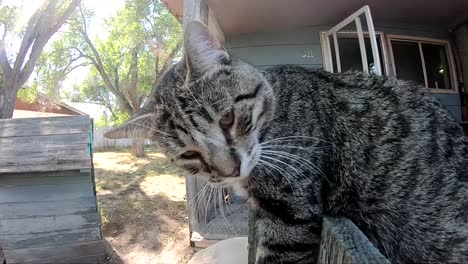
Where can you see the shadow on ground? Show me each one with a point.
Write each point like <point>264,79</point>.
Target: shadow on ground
<point>142,207</point>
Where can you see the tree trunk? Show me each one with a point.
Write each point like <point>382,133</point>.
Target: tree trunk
<point>138,147</point>
<point>7,102</point>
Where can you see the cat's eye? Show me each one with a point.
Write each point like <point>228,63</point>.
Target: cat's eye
<point>227,120</point>
<point>190,155</point>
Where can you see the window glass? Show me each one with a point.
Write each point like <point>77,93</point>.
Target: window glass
<point>350,53</point>
<point>437,70</point>
<point>408,64</point>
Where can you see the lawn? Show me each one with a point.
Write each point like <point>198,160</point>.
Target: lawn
<point>142,203</point>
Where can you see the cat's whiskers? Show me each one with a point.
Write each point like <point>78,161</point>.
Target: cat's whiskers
<point>284,163</point>
<point>221,209</point>
<point>208,203</point>
<point>219,101</point>
<point>155,130</point>
<point>198,195</point>
<point>188,88</point>
<point>201,197</point>
<point>297,159</point>
<point>295,138</point>
<point>290,147</point>
<point>279,170</point>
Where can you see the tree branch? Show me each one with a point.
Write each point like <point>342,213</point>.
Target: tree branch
<point>42,40</point>
<point>4,60</point>
<point>97,62</point>
<point>28,39</point>
<point>5,30</point>
<point>69,70</point>
<point>134,81</point>
<point>158,75</point>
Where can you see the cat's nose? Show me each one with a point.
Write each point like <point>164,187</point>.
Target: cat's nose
<point>236,172</point>
<point>237,163</point>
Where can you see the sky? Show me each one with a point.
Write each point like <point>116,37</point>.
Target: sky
<point>103,9</point>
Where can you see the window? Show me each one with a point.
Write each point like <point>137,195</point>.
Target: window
<point>350,53</point>
<point>424,61</point>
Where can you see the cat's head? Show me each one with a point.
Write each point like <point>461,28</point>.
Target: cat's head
<point>208,113</point>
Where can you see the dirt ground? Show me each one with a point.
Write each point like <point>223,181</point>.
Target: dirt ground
<point>143,208</point>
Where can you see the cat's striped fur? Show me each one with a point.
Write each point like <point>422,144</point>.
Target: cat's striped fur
<point>301,143</point>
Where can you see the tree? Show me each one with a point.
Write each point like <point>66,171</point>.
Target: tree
<point>41,26</point>
<point>142,42</point>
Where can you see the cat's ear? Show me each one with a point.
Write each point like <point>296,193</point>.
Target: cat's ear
<point>202,50</point>
<point>138,127</point>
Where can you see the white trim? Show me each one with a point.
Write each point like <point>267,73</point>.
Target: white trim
<point>328,51</point>
<point>448,49</point>
<point>353,34</point>
<point>365,10</point>
<point>362,45</point>
<point>323,47</point>
<point>347,20</point>
<point>385,55</point>
<point>423,62</point>
<point>373,40</point>
<point>337,52</point>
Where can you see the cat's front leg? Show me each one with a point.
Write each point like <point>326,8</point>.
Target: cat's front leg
<point>271,240</point>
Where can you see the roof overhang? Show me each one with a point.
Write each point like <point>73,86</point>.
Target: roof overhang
<point>247,16</point>
<point>176,7</point>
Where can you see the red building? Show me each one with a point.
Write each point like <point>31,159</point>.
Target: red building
<point>43,106</point>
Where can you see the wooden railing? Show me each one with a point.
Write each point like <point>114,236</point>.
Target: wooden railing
<point>343,243</point>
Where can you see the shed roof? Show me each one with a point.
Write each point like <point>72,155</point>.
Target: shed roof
<point>43,106</point>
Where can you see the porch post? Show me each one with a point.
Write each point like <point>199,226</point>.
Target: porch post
<point>199,10</point>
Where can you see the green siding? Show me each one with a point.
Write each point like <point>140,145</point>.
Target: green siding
<point>302,47</point>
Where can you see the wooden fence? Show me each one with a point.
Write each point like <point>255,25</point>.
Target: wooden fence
<point>103,143</point>
<point>48,209</point>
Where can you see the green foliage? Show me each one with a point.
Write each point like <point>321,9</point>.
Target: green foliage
<point>141,37</point>
<point>28,94</point>
<point>8,16</point>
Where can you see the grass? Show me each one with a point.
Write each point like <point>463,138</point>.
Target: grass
<point>142,203</point>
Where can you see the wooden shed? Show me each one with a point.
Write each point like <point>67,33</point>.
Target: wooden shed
<point>48,208</point>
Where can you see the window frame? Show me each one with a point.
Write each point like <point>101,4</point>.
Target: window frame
<point>419,41</point>
<point>379,34</point>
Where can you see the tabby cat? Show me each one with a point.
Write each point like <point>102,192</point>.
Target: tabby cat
<point>301,143</point>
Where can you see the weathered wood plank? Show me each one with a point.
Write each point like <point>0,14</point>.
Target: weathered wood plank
<point>45,140</point>
<point>42,158</point>
<point>35,179</point>
<point>343,243</point>
<point>44,126</point>
<point>39,153</point>
<point>18,194</point>
<point>49,208</point>
<point>48,224</point>
<point>47,174</point>
<point>55,254</point>
<point>91,259</point>
<point>50,238</point>
<point>54,166</point>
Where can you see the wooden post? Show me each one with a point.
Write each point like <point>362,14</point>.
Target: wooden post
<point>198,10</point>
<point>343,243</point>
<point>194,10</point>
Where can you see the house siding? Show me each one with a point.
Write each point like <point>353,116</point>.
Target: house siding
<point>302,47</point>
